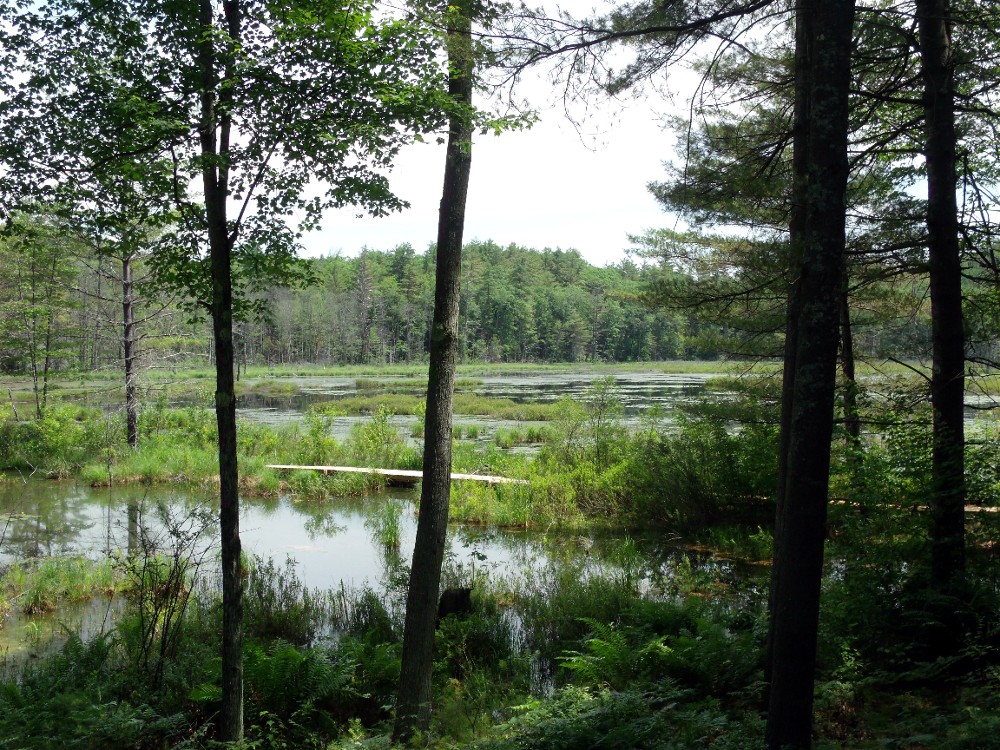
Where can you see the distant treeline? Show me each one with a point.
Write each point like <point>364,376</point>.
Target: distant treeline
<point>64,311</point>
<point>518,305</point>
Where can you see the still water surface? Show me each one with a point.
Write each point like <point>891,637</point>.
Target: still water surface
<point>332,542</point>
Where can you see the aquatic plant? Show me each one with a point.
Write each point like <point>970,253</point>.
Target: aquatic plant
<point>384,522</point>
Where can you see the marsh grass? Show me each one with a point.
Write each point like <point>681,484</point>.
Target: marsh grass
<point>179,447</point>
<point>278,606</point>
<point>402,383</point>
<point>527,435</point>
<point>370,403</point>
<point>465,432</point>
<point>268,387</point>
<point>470,404</point>
<point>502,506</point>
<point>41,585</point>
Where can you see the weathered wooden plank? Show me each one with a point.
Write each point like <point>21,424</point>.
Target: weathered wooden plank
<point>399,476</point>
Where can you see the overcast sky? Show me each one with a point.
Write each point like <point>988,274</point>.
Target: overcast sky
<point>550,186</point>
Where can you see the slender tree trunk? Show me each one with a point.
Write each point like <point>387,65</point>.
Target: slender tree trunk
<point>948,335</point>
<point>413,704</point>
<point>47,362</point>
<point>823,53</point>
<point>95,341</point>
<point>128,338</point>
<point>852,420</point>
<point>215,184</point>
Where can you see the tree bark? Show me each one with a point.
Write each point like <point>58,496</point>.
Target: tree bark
<point>948,334</point>
<point>215,132</point>
<point>823,54</point>
<point>413,704</point>
<point>796,227</point>
<point>129,345</point>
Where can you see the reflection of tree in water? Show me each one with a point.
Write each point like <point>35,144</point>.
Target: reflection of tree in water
<point>322,525</point>
<point>42,522</point>
<point>489,549</point>
<point>57,518</point>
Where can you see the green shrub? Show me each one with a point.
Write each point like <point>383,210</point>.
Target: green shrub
<point>378,443</point>
<point>502,505</point>
<point>58,443</point>
<point>609,657</point>
<point>485,639</point>
<point>73,699</point>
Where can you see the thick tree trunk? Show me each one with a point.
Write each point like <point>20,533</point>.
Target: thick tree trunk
<point>216,188</point>
<point>948,378</point>
<point>413,704</point>
<point>128,338</point>
<point>796,227</point>
<point>823,51</point>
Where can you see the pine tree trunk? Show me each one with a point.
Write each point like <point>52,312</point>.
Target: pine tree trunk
<point>948,336</point>
<point>796,227</point>
<point>823,53</point>
<point>413,704</point>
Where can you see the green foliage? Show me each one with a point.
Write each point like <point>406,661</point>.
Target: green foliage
<point>365,613</point>
<point>739,542</point>
<point>368,404</point>
<point>485,639</point>
<point>528,435</point>
<point>316,446</point>
<point>579,718</point>
<point>470,404</point>
<point>377,442</point>
<point>610,659</point>
<point>57,443</point>
<point>72,700</point>
<point>291,694</point>
<point>384,524</point>
<point>37,324</point>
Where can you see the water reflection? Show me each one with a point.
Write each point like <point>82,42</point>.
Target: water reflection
<point>345,545</point>
<point>331,541</point>
<point>334,542</point>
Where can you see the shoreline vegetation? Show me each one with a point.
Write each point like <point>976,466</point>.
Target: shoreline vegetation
<point>586,467</point>
<point>605,645</point>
